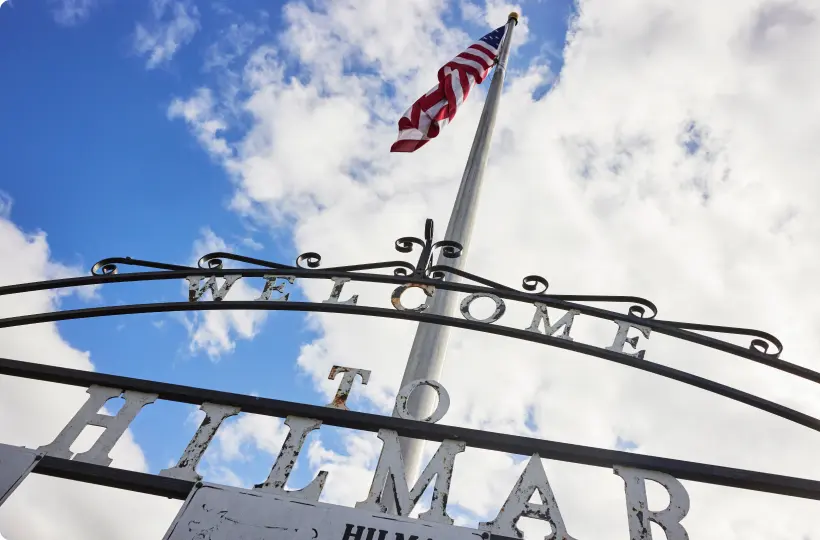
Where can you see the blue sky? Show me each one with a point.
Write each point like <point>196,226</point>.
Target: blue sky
<point>668,151</point>
<point>91,157</point>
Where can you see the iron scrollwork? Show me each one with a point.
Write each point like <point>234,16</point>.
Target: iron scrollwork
<point>533,287</point>
<point>110,266</point>
<point>764,347</point>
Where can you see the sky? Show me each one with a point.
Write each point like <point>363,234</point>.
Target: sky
<point>643,147</point>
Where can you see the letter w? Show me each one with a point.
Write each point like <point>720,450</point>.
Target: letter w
<point>195,292</point>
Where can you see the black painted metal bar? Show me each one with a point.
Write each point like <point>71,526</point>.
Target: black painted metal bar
<point>536,337</point>
<point>513,444</point>
<point>101,475</point>
<point>674,329</point>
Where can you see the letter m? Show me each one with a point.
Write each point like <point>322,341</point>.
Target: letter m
<point>389,479</point>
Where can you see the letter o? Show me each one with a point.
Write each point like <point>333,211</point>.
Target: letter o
<point>395,298</point>
<point>404,396</point>
<point>500,307</point>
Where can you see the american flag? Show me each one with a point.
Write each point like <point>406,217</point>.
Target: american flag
<point>435,109</point>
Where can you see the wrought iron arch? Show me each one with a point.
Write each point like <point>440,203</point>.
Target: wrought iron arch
<point>764,348</point>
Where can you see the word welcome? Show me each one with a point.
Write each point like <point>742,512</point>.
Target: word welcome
<point>275,291</point>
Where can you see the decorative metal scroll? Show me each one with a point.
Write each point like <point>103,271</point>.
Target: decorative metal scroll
<point>637,315</point>
<point>223,512</point>
<point>641,310</point>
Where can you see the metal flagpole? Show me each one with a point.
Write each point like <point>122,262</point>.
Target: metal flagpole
<point>427,354</point>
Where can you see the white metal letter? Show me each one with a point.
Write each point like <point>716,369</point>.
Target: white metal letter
<point>340,400</point>
<point>270,286</point>
<point>517,505</point>
<point>335,293</point>
<point>621,339</point>
<point>278,477</point>
<point>389,478</point>
<point>500,307</point>
<point>403,397</point>
<point>541,315</point>
<point>185,469</point>
<point>114,426</point>
<point>195,292</point>
<point>395,298</point>
<point>637,507</point>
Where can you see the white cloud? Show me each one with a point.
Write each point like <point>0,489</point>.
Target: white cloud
<point>56,270</point>
<point>198,112</point>
<point>239,440</point>
<point>71,12</point>
<point>264,433</point>
<point>494,13</point>
<point>349,474</point>
<point>174,25</point>
<point>674,159</point>
<point>47,267</point>
<point>32,414</point>
<point>234,41</point>
<point>250,243</point>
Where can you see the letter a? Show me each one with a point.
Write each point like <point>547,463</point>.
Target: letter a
<point>517,505</point>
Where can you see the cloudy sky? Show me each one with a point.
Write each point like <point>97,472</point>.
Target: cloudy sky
<point>649,147</point>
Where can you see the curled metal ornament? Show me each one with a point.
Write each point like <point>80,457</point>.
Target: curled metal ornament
<point>761,343</point>
<point>405,243</point>
<point>210,262</point>
<point>424,267</point>
<point>637,311</point>
<point>449,248</point>
<point>216,260</point>
<point>110,266</point>
<point>105,267</point>
<point>531,284</point>
<point>762,346</point>
<point>309,259</point>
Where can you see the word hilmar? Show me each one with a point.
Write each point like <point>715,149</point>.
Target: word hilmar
<point>389,491</point>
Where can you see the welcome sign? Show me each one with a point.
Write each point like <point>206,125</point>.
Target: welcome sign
<point>273,509</point>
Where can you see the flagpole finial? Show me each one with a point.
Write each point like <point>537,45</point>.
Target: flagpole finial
<point>514,16</point>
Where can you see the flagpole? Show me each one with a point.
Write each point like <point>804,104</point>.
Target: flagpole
<point>426,358</point>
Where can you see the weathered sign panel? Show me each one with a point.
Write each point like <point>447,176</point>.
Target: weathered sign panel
<point>15,464</point>
<point>225,513</point>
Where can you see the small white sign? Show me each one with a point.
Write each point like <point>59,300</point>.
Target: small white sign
<point>225,513</point>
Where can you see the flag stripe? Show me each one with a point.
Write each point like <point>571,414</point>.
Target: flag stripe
<point>488,51</point>
<point>430,113</point>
